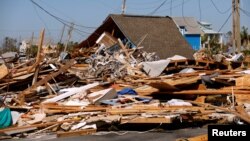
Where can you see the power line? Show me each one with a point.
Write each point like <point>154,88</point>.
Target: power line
<point>177,5</point>
<point>57,18</point>
<point>56,10</point>
<point>199,3</point>
<point>42,21</point>
<point>66,23</point>
<point>245,12</point>
<point>221,12</point>
<point>143,7</point>
<point>145,3</point>
<point>182,12</point>
<point>158,7</point>
<point>225,22</point>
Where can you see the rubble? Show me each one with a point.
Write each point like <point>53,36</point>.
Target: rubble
<point>115,85</point>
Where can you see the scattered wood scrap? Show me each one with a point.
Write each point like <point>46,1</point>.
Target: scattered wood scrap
<point>116,84</point>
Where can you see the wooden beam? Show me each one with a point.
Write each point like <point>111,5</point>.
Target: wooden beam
<point>45,80</point>
<point>36,125</point>
<point>76,133</point>
<point>147,109</point>
<point>39,55</point>
<point>123,48</point>
<point>208,92</point>
<point>147,120</point>
<point>243,117</point>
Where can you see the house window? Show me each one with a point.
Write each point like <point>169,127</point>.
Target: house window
<point>182,30</point>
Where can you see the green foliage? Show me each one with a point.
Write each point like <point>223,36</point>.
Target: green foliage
<point>215,45</point>
<point>9,44</point>
<point>60,47</point>
<point>70,48</point>
<point>246,52</point>
<point>32,51</point>
<point>204,39</point>
<point>244,36</point>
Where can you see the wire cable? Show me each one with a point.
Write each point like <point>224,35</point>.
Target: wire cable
<point>63,14</point>
<point>42,21</point>
<point>143,7</point>
<point>177,5</point>
<point>199,3</point>
<point>66,23</point>
<point>158,7</point>
<point>184,18</point>
<point>225,22</point>
<point>57,18</point>
<point>145,3</point>
<point>245,12</point>
<point>221,12</point>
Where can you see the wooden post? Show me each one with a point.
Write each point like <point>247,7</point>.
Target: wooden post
<point>39,55</point>
<point>236,24</point>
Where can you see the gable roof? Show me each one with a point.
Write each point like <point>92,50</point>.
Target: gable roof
<point>189,23</point>
<point>206,28</point>
<point>162,35</point>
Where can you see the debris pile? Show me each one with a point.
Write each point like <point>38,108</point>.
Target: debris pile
<point>116,85</point>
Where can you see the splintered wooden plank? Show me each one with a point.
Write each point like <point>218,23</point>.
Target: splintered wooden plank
<point>243,98</point>
<point>162,86</point>
<point>183,80</point>
<point>243,81</point>
<point>3,71</point>
<point>45,80</point>
<point>39,55</point>
<point>147,120</point>
<point>146,90</point>
<point>138,110</point>
<point>22,128</point>
<point>54,108</point>
<point>211,92</point>
<point>76,133</point>
<point>243,117</point>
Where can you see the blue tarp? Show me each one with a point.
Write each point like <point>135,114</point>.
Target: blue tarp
<point>127,91</point>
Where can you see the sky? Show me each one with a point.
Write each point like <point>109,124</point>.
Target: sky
<point>19,18</point>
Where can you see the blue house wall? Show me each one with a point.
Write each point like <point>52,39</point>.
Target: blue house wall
<point>194,40</point>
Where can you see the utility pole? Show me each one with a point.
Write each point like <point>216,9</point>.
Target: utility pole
<point>236,25</point>
<point>123,7</point>
<point>69,36</point>
<point>62,33</point>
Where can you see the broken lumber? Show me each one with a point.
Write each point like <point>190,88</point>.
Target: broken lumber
<point>45,80</point>
<point>76,133</point>
<point>40,125</point>
<point>243,117</point>
<point>147,120</point>
<point>3,71</point>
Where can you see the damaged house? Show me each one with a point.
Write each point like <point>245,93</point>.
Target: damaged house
<point>153,33</point>
<point>190,29</point>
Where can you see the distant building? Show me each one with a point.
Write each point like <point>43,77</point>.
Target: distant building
<point>190,29</point>
<point>24,46</point>
<point>208,31</point>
